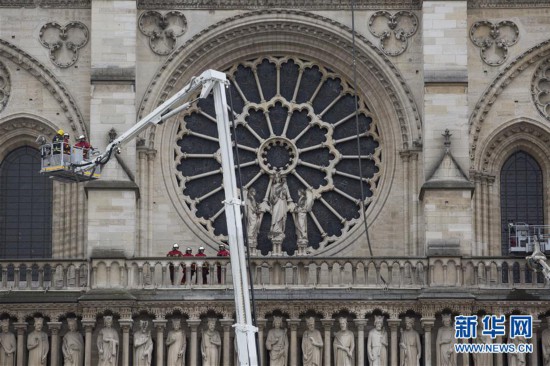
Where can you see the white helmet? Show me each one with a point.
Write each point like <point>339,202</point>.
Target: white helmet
<point>176,246</point>
<point>81,137</point>
<point>201,248</point>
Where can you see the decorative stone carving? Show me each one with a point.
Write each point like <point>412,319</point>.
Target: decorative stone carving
<point>277,343</point>
<point>253,218</point>
<point>162,30</point>
<point>445,341</point>
<point>410,346</point>
<point>540,88</point>
<point>344,344</point>
<point>312,344</point>
<point>38,344</point>
<point>303,206</point>
<point>66,4</point>
<point>279,200</point>
<point>8,345</point>
<point>494,40</point>
<point>393,30</point>
<point>482,359</point>
<point>506,4</point>
<point>143,345</point>
<point>517,358</point>
<point>377,344</point>
<point>211,344</point>
<point>308,4</point>
<point>177,344</point>
<point>108,343</point>
<point>64,41</point>
<point>545,340</point>
<point>73,345</point>
<point>5,86</point>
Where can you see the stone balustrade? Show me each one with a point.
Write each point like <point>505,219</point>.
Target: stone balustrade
<point>270,272</point>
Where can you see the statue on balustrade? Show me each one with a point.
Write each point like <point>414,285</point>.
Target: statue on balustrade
<point>377,344</point>
<point>344,344</point>
<point>8,345</point>
<point>482,359</point>
<point>211,344</point>
<point>517,359</point>
<point>545,338</point>
<point>279,200</point>
<point>304,205</point>
<point>38,344</point>
<point>253,218</point>
<point>445,342</point>
<point>143,345</point>
<point>410,346</point>
<point>177,344</point>
<point>73,345</point>
<point>277,343</point>
<point>108,343</point>
<point>312,345</point>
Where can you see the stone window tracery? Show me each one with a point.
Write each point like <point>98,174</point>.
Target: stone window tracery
<point>295,118</point>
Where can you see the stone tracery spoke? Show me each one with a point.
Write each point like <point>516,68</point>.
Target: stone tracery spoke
<point>293,118</point>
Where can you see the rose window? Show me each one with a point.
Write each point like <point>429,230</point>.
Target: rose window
<point>296,120</point>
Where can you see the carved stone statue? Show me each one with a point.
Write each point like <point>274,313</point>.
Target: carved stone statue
<point>253,217</point>
<point>177,344</point>
<point>8,345</point>
<point>143,345</point>
<point>482,359</point>
<point>38,344</point>
<point>304,205</point>
<point>410,346</point>
<point>444,343</point>
<point>277,343</point>
<point>279,200</point>
<point>312,345</point>
<point>377,344</point>
<point>73,345</point>
<point>108,343</point>
<point>344,344</point>
<point>545,337</point>
<point>517,359</point>
<point>211,344</point>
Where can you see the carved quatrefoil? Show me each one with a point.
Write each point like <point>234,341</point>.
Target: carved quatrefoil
<point>64,41</point>
<point>540,88</point>
<point>494,40</point>
<point>162,30</point>
<point>393,30</point>
<point>5,86</point>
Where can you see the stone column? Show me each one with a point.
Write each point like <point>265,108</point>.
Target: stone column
<point>427,325</point>
<point>327,326</point>
<point>20,327</point>
<point>193,325</point>
<point>465,356</point>
<point>55,327</point>
<point>360,325</point>
<point>394,326</point>
<point>88,326</point>
<point>293,324</point>
<point>499,357</point>
<point>226,325</point>
<point>534,357</point>
<point>160,325</point>
<point>261,323</point>
<point>125,325</point>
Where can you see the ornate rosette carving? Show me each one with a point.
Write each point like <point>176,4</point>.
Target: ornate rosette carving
<point>64,41</point>
<point>5,86</point>
<point>294,118</point>
<point>540,88</point>
<point>494,40</point>
<point>393,30</point>
<point>162,30</point>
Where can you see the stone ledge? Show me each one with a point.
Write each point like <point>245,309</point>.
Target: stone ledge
<point>446,77</point>
<point>116,75</point>
<point>112,185</point>
<point>444,248</point>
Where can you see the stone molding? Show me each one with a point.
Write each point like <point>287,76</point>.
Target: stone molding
<point>59,91</point>
<point>162,29</point>
<point>499,84</point>
<point>494,39</point>
<point>64,4</point>
<point>540,88</point>
<point>303,4</point>
<point>394,30</point>
<point>5,86</point>
<point>522,4</point>
<point>63,41</point>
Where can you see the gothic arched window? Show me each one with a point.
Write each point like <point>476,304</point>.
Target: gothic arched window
<point>521,194</point>
<point>25,206</point>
